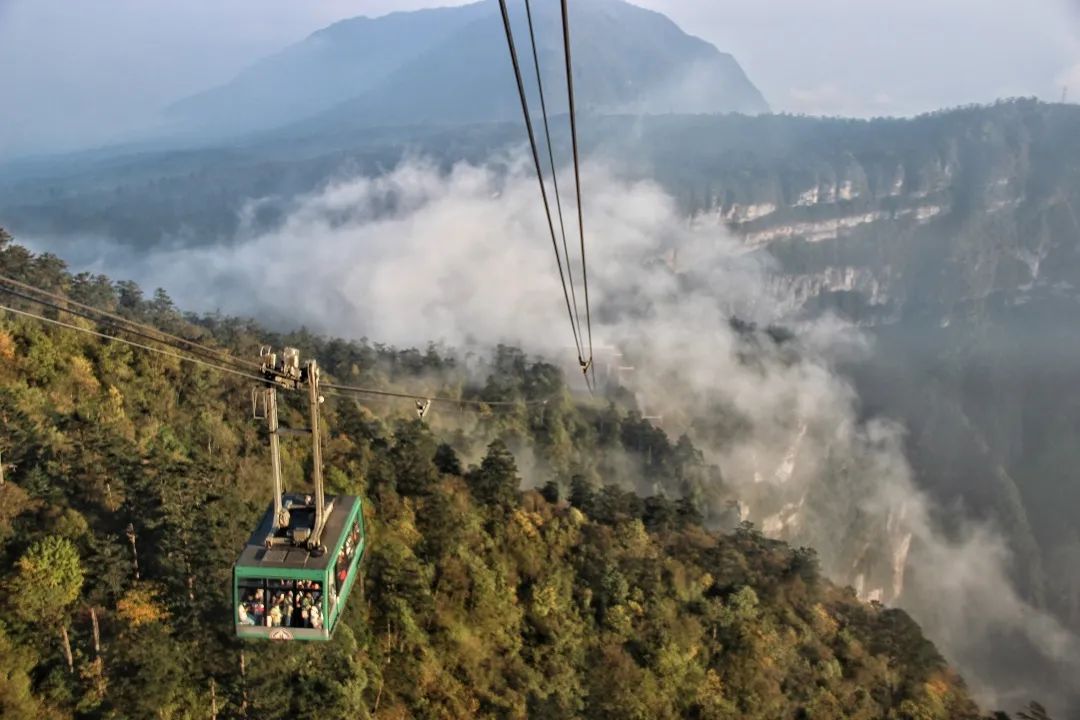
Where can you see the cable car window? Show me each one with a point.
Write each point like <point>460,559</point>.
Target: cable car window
<point>281,595</point>
<point>307,605</point>
<point>251,602</point>
<point>348,551</point>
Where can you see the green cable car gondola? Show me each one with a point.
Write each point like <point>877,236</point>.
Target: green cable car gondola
<point>295,573</point>
<point>290,592</point>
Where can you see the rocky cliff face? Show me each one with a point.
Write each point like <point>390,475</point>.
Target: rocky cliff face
<point>955,239</point>
<point>891,218</point>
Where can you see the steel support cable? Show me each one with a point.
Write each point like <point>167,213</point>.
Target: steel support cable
<point>132,343</point>
<point>348,389</point>
<point>95,315</point>
<point>250,376</point>
<point>215,365</point>
<point>577,181</point>
<point>539,171</point>
<point>136,331</point>
<point>135,327</point>
<point>551,160</point>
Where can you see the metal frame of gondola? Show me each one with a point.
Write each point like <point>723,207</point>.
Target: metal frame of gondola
<point>285,372</point>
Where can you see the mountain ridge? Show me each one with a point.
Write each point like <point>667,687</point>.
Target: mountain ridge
<point>449,66</point>
<point>319,71</point>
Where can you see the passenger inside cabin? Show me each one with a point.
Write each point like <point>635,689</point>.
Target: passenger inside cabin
<point>251,610</point>
<point>297,611</point>
<point>258,608</point>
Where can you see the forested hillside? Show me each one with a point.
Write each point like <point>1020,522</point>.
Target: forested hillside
<point>576,599</point>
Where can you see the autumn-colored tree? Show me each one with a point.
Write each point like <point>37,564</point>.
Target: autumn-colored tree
<point>141,605</point>
<point>48,580</point>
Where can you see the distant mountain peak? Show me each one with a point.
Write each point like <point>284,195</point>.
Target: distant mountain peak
<point>449,65</point>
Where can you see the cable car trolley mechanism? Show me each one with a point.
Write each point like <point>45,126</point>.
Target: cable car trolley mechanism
<point>295,573</point>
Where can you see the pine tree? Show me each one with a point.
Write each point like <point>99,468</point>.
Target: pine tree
<point>496,481</point>
<point>412,455</point>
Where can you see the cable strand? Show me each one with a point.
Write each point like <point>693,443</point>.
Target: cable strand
<point>551,160</point>
<point>92,318</point>
<point>577,178</point>
<point>132,343</point>
<point>539,170</point>
<point>442,400</point>
<point>259,378</point>
<point>140,328</point>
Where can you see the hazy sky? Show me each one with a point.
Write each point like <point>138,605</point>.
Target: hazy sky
<point>73,71</point>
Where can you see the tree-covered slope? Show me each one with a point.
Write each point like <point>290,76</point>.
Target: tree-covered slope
<point>871,216</point>
<point>480,599</point>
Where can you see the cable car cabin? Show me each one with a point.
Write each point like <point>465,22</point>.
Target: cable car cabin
<point>282,590</point>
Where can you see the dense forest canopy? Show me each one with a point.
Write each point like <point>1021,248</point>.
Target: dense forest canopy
<point>481,596</point>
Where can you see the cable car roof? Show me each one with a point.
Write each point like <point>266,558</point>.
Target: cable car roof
<point>287,557</point>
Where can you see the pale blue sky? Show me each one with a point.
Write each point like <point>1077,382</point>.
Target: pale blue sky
<point>79,71</point>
